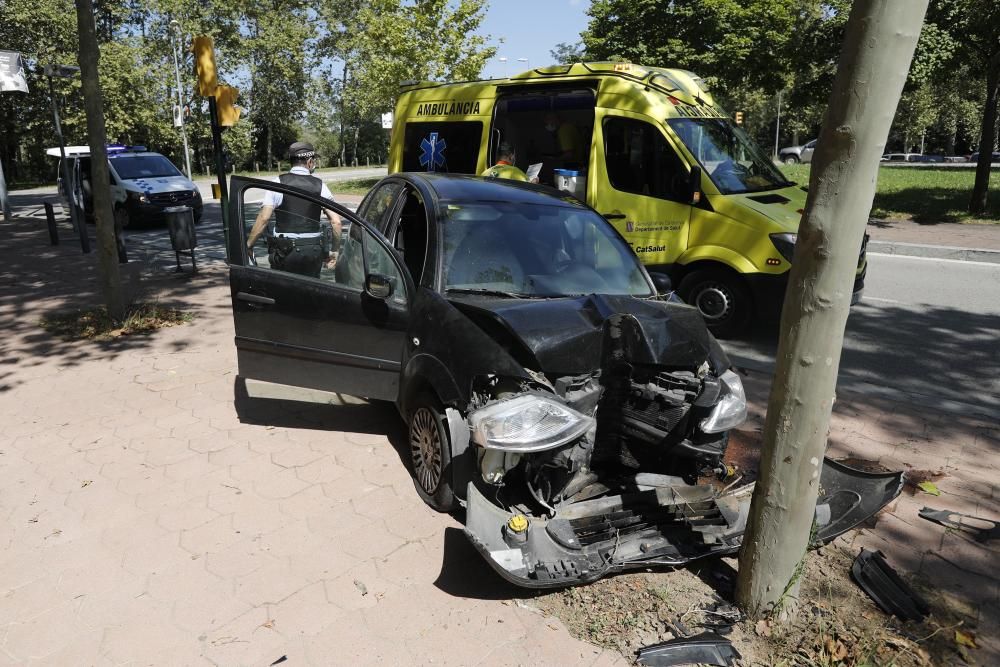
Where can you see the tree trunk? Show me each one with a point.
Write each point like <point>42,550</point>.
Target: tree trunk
<point>93,102</point>
<point>987,138</point>
<point>878,46</point>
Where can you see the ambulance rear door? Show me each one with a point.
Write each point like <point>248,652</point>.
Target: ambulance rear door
<point>641,186</point>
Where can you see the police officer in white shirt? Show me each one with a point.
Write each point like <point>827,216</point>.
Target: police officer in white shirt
<point>298,244</point>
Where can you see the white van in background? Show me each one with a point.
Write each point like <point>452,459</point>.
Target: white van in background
<point>143,183</point>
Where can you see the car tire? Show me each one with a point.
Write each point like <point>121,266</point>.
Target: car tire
<point>122,218</point>
<point>430,453</point>
<point>790,159</point>
<point>722,299</point>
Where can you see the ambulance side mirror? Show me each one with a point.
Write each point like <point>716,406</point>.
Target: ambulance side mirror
<point>694,185</point>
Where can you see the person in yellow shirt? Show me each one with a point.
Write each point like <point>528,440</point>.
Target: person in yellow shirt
<point>505,168</point>
<point>566,144</point>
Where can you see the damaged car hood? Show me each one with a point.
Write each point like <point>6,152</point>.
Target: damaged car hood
<point>567,334</point>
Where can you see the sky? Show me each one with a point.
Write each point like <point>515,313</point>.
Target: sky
<point>530,29</point>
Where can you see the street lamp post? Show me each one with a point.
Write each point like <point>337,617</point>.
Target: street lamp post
<point>69,186</point>
<point>175,42</point>
<point>777,127</point>
<point>503,59</point>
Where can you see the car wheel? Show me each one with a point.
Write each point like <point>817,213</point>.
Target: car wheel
<point>790,159</point>
<point>721,298</point>
<point>430,453</point>
<point>122,218</point>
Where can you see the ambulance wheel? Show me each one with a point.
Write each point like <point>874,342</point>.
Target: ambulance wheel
<point>721,298</point>
<point>122,218</point>
<point>790,159</point>
<point>430,453</point>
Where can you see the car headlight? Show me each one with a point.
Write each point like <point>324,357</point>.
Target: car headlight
<point>731,410</point>
<point>785,245</point>
<point>139,197</point>
<point>527,423</point>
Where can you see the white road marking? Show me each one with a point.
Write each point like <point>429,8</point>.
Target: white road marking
<point>935,259</point>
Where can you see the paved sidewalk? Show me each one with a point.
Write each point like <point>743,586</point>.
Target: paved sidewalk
<point>147,517</point>
<point>972,242</point>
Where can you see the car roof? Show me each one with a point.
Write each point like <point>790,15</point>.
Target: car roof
<point>464,188</point>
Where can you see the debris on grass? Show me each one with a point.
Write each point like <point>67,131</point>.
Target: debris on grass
<point>96,324</point>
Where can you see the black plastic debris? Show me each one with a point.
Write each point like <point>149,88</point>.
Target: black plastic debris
<point>850,496</point>
<point>980,529</point>
<point>893,595</point>
<point>708,648</point>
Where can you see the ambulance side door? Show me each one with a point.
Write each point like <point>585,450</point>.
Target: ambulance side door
<point>641,185</point>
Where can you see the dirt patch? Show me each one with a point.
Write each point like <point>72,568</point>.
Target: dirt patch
<point>96,324</point>
<point>836,625</point>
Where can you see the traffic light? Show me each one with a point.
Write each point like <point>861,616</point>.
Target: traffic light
<point>204,65</point>
<point>229,113</point>
<point>739,117</point>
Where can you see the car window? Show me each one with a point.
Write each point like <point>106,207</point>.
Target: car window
<point>378,204</point>
<point>640,160</point>
<point>536,250</point>
<point>143,166</point>
<point>290,232</point>
<point>811,144</point>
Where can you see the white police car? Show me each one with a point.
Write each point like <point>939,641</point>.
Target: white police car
<point>143,183</point>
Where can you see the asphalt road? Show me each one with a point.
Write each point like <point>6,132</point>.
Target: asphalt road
<point>927,327</point>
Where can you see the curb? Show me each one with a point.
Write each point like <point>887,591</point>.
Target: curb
<point>935,251</point>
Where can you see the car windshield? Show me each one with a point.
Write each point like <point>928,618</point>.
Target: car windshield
<point>533,250</point>
<point>731,159</point>
<point>143,166</point>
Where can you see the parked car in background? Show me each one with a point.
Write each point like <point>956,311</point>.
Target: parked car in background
<point>975,157</point>
<point>903,157</point>
<point>143,183</point>
<point>796,154</point>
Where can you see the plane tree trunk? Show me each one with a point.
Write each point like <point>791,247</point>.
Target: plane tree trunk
<point>987,137</point>
<point>878,46</point>
<point>93,102</point>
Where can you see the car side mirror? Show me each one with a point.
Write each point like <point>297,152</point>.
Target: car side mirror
<point>694,185</point>
<point>378,286</point>
<point>661,282</point>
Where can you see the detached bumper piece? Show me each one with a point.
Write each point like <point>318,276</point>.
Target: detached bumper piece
<point>893,595</point>
<point>981,530</point>
<point>707,648</point>
<point>655,520</point>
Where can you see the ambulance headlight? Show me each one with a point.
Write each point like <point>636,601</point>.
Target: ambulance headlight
<point>785,245</point>
<point>731,410</point>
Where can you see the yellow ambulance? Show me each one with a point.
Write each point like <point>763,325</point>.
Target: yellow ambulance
<point>646,147</point>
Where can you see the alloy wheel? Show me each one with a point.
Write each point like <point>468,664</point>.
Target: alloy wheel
<point>425,449</point>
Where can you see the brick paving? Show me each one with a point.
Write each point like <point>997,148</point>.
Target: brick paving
<point>146,517</point>
<point>980,236</point>
<point>152,513</point>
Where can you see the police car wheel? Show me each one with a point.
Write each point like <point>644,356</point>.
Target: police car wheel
<point>790,159</point>
<point>430,453</point>
<point>722,299</point>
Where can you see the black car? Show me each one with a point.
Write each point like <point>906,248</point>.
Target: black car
<point>547,384</point>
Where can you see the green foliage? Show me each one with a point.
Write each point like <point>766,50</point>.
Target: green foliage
<point>565,53</point>
<point>279,54</point>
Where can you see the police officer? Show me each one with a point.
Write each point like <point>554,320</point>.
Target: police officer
<point>505,168</point>
<point>299,244</point>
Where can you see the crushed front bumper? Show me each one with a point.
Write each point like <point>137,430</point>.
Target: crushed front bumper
<point>661,522</point>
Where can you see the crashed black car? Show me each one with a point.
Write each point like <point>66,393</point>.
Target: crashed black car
<point>548,385</point>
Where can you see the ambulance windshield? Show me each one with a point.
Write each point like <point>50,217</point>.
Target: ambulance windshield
<point>731,159</point>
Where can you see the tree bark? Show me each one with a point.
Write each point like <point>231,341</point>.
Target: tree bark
<point>93,102</point>
<point>987,138</point>
<point>878,46</point>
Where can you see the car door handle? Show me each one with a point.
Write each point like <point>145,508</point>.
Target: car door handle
<point>613,216</point>
<point>255,298</point>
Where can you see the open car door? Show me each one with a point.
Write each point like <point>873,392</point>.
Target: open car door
<point>342,331</point>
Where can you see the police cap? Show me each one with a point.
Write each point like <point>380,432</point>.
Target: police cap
<point>301,150</point>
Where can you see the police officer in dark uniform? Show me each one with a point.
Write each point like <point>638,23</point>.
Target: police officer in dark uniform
<point>299,243</point>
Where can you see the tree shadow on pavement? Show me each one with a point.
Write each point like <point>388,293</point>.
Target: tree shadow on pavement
<point>38,279</point>
<point>935,353</point>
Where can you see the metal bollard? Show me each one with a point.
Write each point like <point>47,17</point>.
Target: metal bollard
<point>50,217</point>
